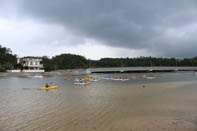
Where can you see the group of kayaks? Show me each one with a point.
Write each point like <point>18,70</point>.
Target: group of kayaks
<point>86,81</point>
<point>151,77</point>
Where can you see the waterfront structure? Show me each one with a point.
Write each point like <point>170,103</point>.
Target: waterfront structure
<point>142,69</point>
<point>31,64</point>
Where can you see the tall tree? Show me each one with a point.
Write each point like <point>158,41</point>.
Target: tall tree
<point>7,59</point>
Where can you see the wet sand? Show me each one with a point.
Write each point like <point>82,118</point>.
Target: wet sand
<point>154,124</point>
<point>167,106</point>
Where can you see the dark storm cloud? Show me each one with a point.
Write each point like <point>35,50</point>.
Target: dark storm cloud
<point>135,24</point>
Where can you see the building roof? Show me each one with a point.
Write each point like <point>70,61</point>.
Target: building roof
<point>32,57</point>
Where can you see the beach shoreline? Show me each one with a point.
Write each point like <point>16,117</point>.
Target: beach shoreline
<point>52,73</point>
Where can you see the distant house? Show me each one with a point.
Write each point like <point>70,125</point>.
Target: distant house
<point>31,64</point>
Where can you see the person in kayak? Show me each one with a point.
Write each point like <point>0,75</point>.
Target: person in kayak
<point>47,85</point>
<point>81,81</point>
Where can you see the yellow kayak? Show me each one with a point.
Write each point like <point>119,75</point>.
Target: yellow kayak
<point>88,79</point>
<point>49,88</point>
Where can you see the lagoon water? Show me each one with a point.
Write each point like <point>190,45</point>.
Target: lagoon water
<point>167,103</point>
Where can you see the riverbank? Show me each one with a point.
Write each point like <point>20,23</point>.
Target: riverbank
<point>52,73</point>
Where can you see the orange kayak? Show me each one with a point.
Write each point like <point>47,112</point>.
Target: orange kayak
<point>67,79</point>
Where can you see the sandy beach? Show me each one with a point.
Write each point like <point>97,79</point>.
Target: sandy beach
<point>154,124</point>
<point>161,118</point>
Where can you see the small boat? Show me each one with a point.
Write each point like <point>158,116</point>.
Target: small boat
<point>67,79</point>
<point>36,76</point>
<point>95,80</point>
<point>49,88</point>
<point>142,76</point>
<point>77,80</point>
<point>120,79</point>
<point>81,83</point>
<point>88,79</point>
<point>151,77</point>
<point>133,77</point>
<point>125,79</point>
<point>106,78</point>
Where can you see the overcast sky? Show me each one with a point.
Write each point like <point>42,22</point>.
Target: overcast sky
<point>100,28</point>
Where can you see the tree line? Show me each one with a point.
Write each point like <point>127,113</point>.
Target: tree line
<point>7,59</point>
<point>142,61</point>
<point>65,61</point>
<point>72,61</point>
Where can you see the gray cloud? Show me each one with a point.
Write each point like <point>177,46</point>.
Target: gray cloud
<point>161,26</point>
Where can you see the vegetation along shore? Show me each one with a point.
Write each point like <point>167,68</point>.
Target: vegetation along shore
<point>8,61</point>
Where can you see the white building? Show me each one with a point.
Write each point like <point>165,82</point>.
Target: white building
<point>31,64</point>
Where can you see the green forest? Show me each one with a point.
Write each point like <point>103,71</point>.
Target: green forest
<point>65,61</point>
<point>72,61</point>
<point>7,59</point>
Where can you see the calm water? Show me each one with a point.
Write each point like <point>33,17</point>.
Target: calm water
<point>97,106</point>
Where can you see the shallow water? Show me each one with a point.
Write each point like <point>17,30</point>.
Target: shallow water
<point>97,106</point>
